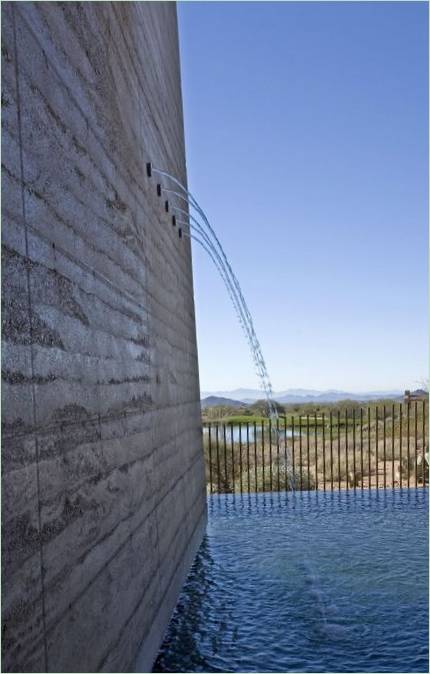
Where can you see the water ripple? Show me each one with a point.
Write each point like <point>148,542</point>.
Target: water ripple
<point>306,582</point>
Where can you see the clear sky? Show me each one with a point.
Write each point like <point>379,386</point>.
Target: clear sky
<point>307,145</point>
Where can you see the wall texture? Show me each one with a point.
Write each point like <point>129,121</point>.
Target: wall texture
<point>103,492</point>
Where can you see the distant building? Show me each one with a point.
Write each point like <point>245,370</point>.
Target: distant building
<point>418,394</point>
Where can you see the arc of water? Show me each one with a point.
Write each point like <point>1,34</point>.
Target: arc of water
<point>232,291</point>
<point>249,333</point>
<point>220,260</point>
<point>255,346</point>
<point>193,202</point>
<point>211,250</point>
<point>263,373</point>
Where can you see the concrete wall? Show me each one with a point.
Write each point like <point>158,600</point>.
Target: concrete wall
<point>103,492</point>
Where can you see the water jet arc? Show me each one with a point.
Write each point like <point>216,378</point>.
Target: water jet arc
<point>256,348</point>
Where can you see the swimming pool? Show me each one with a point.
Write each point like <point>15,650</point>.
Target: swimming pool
<point>306,582</point>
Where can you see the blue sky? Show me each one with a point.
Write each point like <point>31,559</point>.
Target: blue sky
<point>307,145</point>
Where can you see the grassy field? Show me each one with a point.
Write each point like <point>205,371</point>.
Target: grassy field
<point>243,419</point>
<point>362,446</point>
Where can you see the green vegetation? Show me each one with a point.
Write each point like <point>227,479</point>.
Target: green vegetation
<point>254,419</point>
<point>258,410</point>
<point>381,442</point>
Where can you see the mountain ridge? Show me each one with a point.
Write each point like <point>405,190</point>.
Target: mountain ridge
<point>300,395</point>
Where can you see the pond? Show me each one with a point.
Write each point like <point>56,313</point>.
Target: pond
<point>306,582</point>
<point>240,432</point>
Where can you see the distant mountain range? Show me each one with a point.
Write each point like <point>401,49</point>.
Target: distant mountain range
<point>299,395</point>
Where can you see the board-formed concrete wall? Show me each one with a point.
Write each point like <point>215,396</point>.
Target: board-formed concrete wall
<point>103,492</point>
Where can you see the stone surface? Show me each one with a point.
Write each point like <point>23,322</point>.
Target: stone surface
<point>103,499</point>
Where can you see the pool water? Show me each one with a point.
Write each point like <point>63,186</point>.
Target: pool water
<point>306,582</point>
